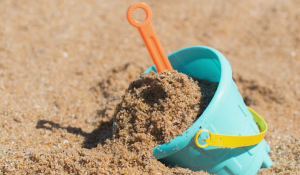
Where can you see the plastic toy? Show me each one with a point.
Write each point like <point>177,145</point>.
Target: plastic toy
<point>228,137</point>
<point>149,36</point>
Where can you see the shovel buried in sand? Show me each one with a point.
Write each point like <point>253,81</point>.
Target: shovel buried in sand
<point>228,138</point>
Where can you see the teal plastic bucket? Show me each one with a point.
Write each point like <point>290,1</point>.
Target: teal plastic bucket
<point>226,114</point>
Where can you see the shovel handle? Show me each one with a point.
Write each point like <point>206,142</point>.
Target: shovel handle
<point>149,36</point>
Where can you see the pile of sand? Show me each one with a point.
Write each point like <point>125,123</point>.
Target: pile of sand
<point>65,65</point>
<point>162,106</point>
<point>155,109</point>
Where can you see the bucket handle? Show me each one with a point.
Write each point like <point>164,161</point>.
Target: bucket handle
<point>221,140</point>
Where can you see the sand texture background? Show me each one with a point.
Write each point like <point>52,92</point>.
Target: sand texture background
<point>64,66</point>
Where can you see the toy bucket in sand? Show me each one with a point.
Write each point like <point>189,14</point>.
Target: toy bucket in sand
<point>228,138</point>
<point>226,114</point>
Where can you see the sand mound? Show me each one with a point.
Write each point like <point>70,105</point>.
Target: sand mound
<point>65,65</point>
<point>161,105</point>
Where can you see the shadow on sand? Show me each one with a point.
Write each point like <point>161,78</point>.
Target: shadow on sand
<point>91,140</point>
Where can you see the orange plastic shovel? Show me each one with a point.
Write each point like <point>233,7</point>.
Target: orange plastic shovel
<point>149,36</point>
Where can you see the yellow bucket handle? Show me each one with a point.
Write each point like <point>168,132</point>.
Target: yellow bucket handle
<point>235,140</point>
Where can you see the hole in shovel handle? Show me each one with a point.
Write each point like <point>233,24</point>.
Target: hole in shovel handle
<point>131,10</point>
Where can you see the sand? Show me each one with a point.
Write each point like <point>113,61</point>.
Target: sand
<point>66,64</point>
<point>160,106</point>
<point>155,109</point>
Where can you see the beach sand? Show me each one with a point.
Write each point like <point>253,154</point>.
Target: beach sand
<point>65,65</point>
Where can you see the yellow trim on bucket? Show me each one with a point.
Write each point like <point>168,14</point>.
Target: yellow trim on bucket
<point>235,140</point>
